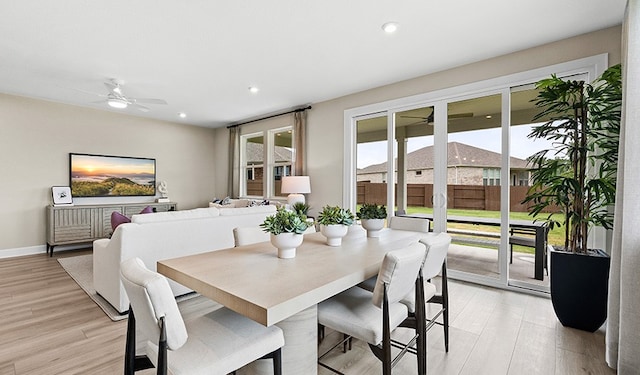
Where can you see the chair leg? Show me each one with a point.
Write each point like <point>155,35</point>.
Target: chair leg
<point>130,347</point>
<point>445,307</point>
<point>162,349</point>
<point>320,333</point>
<point>421,331</point>
<point>277,362</point>
<point>386,336</point>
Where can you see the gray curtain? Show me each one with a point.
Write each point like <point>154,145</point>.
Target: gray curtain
<point>623,324</point>
<point>234,157</point>
<point>300,134</point>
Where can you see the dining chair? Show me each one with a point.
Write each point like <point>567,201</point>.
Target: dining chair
<point>218,342</point>
<point>249,235</point>
<point>409,223</point>
<point>372,316</point>
<point>435,262</point>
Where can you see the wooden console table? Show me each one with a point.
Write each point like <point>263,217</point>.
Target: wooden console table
<point>68,225</point>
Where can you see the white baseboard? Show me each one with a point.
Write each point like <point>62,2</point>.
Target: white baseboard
<point>38,249</point>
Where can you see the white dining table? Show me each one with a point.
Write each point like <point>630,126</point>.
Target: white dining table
<point>251,280</point>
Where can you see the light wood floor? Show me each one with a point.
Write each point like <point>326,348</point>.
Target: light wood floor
<point>50,326</point>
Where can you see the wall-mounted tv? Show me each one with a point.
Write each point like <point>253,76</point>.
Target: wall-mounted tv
<point>111,176</point>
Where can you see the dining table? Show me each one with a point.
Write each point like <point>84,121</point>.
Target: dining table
<point>252,281</point>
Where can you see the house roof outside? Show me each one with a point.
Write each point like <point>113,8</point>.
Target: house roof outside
<point>458,155</point>
<point>255,153</point>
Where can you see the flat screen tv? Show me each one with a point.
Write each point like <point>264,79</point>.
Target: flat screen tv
<point>111,176</point>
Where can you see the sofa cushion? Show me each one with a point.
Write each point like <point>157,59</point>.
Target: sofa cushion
<point>247,210</point>
<point>196,213</point>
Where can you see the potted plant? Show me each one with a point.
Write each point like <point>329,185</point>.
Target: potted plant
<point>372,218</point>
<point>577,178</point>
<point>334,222</point>
<point>286,229</point>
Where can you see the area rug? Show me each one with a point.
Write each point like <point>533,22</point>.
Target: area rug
<point>80,268</point>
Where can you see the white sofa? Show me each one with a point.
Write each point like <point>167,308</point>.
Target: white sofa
<point>164,235</point>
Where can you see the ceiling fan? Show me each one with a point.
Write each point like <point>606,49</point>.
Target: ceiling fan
<point>429,119</point>
<point>117,99</point>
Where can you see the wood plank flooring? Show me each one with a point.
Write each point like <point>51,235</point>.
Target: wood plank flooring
<point>50,326</point>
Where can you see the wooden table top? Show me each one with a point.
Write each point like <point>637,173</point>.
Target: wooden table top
<point>254,282</point>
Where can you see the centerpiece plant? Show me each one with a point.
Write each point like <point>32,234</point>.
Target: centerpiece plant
<point>372,218</point>
<point>286,229</point>
<point>334,222</point>
<point>577,177</point>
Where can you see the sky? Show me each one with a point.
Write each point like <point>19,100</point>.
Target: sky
<point>488,139</point>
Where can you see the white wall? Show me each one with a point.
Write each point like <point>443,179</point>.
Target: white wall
<point>37,136</point>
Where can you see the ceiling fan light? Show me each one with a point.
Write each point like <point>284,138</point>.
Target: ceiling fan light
<point>117,103</point>
<point>390,27</point>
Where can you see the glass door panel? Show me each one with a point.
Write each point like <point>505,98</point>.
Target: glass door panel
<point>414,160</point>
<point>281,159</point>
<point>371,159</point>
<point>474,163</point>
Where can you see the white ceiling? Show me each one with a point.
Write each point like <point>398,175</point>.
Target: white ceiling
<point>202,55</point>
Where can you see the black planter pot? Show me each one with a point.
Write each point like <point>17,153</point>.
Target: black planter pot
<point>579,288</point>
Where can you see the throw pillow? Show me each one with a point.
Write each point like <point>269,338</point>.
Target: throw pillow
<point>147,210</point>
<point>226,201</point>
<point>117,218</point>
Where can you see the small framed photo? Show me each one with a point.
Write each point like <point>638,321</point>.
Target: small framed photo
<point>61,195</point>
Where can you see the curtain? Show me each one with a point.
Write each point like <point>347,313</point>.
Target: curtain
<point>623,324</point>
<point>234,157</point>
<point>300,134</point>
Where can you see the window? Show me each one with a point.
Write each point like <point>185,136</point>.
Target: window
<point>418,173</point>
<point>523,178</point>
<point>491,176</point>
<point>266,157</point>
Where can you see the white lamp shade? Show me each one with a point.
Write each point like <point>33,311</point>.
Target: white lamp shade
<point>296,185</point>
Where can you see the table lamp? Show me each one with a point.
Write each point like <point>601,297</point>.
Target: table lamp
<point>296,186</point>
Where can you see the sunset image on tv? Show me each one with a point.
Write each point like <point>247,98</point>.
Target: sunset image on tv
<point>99,176</point>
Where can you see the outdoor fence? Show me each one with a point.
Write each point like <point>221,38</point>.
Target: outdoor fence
<point>466,197</point>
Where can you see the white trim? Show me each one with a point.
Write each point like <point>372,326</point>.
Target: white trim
<point>38,249</point>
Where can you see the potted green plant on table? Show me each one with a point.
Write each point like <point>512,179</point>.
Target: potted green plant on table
<point>286,229</point>
<point>334,223</point>
<point>372,218</point>
<point>577,178</point>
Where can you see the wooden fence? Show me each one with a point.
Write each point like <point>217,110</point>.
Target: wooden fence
<point>467,197</point>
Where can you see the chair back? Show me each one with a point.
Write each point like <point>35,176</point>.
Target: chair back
<point>409,223</point>
<point>249,235</point>
<point>151,299</point>
<point>437,248</point>
<point>398,271</point>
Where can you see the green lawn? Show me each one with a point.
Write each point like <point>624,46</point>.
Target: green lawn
<point>556,236</point>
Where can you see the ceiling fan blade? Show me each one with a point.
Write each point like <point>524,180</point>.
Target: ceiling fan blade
<point>100,101</point>
<point>461,115</point>
<point>139,107</point>
<point>148,101</point>
<point>87,92</point>
<point>111,85</point>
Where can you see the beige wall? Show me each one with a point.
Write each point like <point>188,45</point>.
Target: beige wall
<point>36,138</point>
<point>326,120</point>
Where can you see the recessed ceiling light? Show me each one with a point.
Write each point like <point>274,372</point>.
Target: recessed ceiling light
<point>488,116</point>
<point>253,89</point>
<point>182,114</point>
<point>390,27</point>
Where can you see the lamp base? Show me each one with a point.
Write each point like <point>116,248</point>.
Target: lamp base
<point>295,198</point>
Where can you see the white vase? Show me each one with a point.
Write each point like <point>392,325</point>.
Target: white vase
<point>286,243</point>
<point>334,233</point>
<point>373,227</point>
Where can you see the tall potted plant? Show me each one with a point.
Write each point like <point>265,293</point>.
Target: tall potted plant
<point>577,177</point>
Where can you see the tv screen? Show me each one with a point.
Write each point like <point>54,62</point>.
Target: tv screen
<point>111,176</point>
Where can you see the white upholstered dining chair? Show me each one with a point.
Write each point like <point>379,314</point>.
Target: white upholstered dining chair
<point>249,235</point>
<point>372,316</point>
<point>218,342</point>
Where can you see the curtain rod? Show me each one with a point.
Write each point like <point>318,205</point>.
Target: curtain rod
<point>268,117</point>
